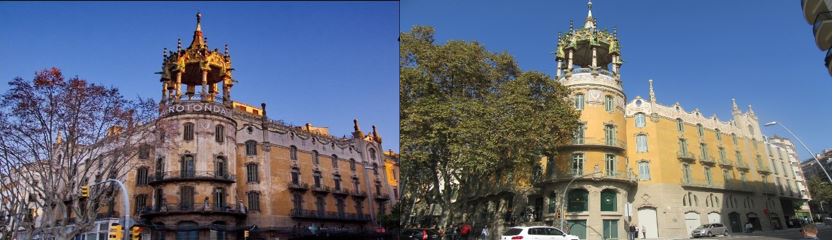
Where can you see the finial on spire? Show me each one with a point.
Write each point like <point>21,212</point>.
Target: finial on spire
<point>590,8</point>
<point>651,90</point>
<point>735,108</point>
<point>750,109</point>
<point>225,51</point>
<point>199,19</point>
<point>571,25</point>
<point>164,52</point>
<point>589,22</point>
<point>357,132</point>
<point>178,44</point>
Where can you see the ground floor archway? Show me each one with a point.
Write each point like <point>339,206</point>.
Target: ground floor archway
<point>714,217</point>
<point>756,222</point>
<point>692,221</point>
<point>734,222</point>
<point>648,221</point>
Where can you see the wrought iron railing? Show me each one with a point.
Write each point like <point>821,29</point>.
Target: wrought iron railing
<point>685,155</point>
<point>189,175</point>
<point>185,207</point>
<point>599,142</point>
<point>327,215</point>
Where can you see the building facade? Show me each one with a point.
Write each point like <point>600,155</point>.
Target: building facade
<point>224,167</point>
<point>658,167</point>
<point>789,179</point>
<point>820,208</point>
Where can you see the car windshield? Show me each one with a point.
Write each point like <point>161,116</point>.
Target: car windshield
<point>705,226</point>
<point>512,232</point>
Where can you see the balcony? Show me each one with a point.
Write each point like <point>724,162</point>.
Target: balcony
<point>698,184</point>
<point>180,176</point>
<point>358,194</point>
<point>726,163</point>
<point>590,70</point>
<point>382,196</point>
<point>685,156</point>
<point>322,215</point>
<point>764,170</point>
<point>298,186</point>
<point>707,160</point>
<point>191,208</point>
<point>742,165</point>
<point>619,176</point>
<point>341,191</point>
<point>611,144</point>
<point>320,189</point>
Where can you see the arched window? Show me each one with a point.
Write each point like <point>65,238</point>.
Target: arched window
<point>296,178</point>
<point>337,182</point>
<point>314,157</point>
<point>640,120</point>
<point>751,130</point>
<point>187,166</point>
<point>735,139</point>
<point>717,134</point>
<point>254,201</point>
<point>219,133</point>
<point>221,168</point>
<point>641,143</point>
<point>293,152</point>
<point>608,200</point>
<point>609,103</point>
<point>316,177</point>
<point>577,200</point>
<point>372,154</point>
<point>188,133</point>
<point>334,158</point>
<point>251,148</point>
<point>353,164</point>
<point>579,101</point>
<point>251,173</point>
<point>680,125</point>
<point>686,173</point>
<point>708,172</point>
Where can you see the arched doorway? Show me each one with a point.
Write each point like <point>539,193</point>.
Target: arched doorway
<point>648,221</point>
<point>756,222</point>
<point>774,221</point>
<point>734,222</point>
<point>692,221</point>
<point>714,217</point>
<point>186,231</point>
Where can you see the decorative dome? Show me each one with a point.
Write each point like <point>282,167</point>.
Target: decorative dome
<point>196,66</point>
<point>588,47</point>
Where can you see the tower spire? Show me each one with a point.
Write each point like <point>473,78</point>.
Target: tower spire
<point>198,41</point>
<point>735,109</point>
<point>590,22</point>
<point>651,90</point>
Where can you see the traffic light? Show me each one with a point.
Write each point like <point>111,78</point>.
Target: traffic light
<point>135,233</point>
<point>116,232</point>
<point>85,191</point>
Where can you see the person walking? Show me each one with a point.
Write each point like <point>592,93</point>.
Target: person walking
<point>643,232</point>
<point>484,234</point>
<point>631,231</point>
<point>748,227</point>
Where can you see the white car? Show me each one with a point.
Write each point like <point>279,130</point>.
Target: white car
<point>536,233</point>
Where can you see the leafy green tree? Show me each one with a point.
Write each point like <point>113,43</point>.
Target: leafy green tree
<point>819,190</point>
<point>470,117</point>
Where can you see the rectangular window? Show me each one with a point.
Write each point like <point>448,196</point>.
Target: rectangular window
<point>189,132</point>
<point>219,133</point>
<point>610,135</point>
<point>254,201</point>
<point>610,229</point>
<point>578,164</point>
<point>700,130</point>
<point>144,152</point>
<point>683,147</point>
<point>739,157</point>
<point>727,175</point>
<point>680,125</point>
<point>186,197</point>
<point>686,173</point>
<point>609,103</point>
<point>142,176</point>
<point>580,101</point>
<point>141,202</point>
<point>608,200</point>
<point>641,143</point>
<point>717,134</point>
<point>708,171</point>
<point>704,152</point>
<point>251,173</point>
<point>610,164</point>
<point>722,154</point>
<point>551,203</point>
<point>579,134</point>
<point>644,171</point>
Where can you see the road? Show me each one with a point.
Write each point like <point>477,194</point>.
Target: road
<point>793,233</point>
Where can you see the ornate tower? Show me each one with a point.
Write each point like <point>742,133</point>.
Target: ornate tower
<point>196,66</point>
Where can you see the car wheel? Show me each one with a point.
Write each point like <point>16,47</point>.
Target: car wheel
<point>726,233</point>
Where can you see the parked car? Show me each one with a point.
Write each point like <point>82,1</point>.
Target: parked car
<point>536,233</point>
<point>710,230</point>
<point>419,234</point>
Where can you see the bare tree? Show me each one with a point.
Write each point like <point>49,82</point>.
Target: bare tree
<point>57,135</point>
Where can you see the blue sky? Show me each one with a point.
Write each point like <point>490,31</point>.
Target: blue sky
<point>319,62</point>
<point>699,53</point>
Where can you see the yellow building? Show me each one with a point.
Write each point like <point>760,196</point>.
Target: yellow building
<point>225,167</point>
<point>637,162</point>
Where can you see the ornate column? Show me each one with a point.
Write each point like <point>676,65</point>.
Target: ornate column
<point>615,64</point>
<point>178,85</point>
<point>164,92</point>
<point>594,58</point>
<point>558,68</point>
<point>204,90</point>
<point>569,62</point>
<point>227,91</point>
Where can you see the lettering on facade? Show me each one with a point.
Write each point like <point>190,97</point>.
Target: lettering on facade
<point>178,108</point>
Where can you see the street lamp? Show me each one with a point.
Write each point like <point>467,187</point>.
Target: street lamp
<point>802,144</point>
<point>564,194</point>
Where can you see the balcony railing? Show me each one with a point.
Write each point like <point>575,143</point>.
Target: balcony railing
<point>298,186</point>
<point>382,196</point>
<point>198,208</point>
<point>622,176</point>
<point>698,184</point>
<point>589,70</point>
<point>177,176</point>
<point>321,189</point>
<point>707,160</point>
<point>764,169</point>
<point>685,156</point>
<point>358,194</point>
<point>340,191</point>
<point>743,165</point>
<point>726,163</point>
<point>322,215</point>
<point>599,142</point>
